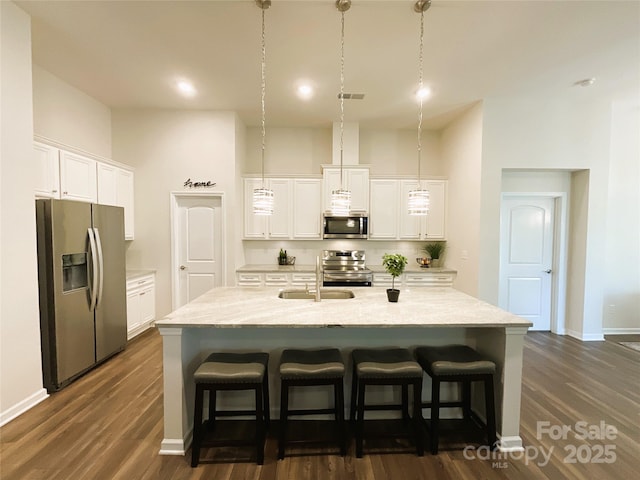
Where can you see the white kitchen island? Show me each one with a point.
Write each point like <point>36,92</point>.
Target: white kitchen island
<point>246,318</point>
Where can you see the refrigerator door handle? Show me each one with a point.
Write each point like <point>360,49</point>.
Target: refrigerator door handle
<point>94,273</point>
<point>100,266</point>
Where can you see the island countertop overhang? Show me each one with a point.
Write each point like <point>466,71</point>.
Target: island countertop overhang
<point>246,307</point>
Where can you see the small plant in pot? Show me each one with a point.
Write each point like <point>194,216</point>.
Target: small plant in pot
<point>394,264</point>
<point>435,250</point>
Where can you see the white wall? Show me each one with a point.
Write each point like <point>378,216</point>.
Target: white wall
<point>462,159</point>
<point>69,116</point>
<point>166,148</point>
<point>20,360</point>
<point>622,255</point>
<point>550,133</point>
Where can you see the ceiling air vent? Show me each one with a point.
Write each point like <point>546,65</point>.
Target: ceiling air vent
<point>351,96</point>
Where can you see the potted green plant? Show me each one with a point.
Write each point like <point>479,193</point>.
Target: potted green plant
<point>435,250</point>
<point>394,264</point>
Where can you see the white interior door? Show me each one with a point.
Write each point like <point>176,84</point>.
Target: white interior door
<point>198,246</point>
<point>526,257</point>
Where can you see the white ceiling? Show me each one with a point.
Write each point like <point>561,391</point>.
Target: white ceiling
<point>128,54</point>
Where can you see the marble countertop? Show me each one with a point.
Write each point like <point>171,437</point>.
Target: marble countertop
<point>236,307</point>
<point>131,274</point>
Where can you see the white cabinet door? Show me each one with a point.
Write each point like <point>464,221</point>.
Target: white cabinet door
<point>107,189</point>
<point>411,226</point>
<point>254,225</point>
<point>429,227</point>
<point>133,312</point>
<point>124,198</point>
<point>280,222</point>
<point>355,180</point>
<point>436,219</point>
<point>383,215</point>
<point>358,181</point>
<point>47,170</point>
<point>148,304</point>
<point>307,208</point>
<point>77,177</point>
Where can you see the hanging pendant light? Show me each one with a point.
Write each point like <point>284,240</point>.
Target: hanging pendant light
<point>419,198</point>
<point>341,198</point>
<point>263,197</point>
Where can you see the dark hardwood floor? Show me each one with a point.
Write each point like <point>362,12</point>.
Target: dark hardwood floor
<point>108,425</point>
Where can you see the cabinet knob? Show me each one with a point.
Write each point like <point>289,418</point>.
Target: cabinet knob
<point>182,267</point>
<point>54,191</point>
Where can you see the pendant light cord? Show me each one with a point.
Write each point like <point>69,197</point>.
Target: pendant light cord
<point>341,96</point>
<point>420,93</point>
<point>263,92</point>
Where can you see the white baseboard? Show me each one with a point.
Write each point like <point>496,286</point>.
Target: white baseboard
<point>621,331</point>
<point>510,444</point>
<point>21,407</point>
<point>586,337</point>
<point>143,327</point>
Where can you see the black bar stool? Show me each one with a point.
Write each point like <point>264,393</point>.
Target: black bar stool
<point>388,366</point>
<point>458,363</point>
<point>300,368</point>
<point>231,371</point>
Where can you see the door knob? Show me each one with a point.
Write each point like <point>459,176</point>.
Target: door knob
<point>547,271</point>
<point>182,267</point>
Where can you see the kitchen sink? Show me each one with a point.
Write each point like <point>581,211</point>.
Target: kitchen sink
<point>325,294</point>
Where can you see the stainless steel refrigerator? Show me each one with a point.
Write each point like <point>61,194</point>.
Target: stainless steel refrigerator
<point>82,284</point>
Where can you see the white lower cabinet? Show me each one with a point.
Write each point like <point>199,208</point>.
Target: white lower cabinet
<point>415,279</point>
<point>250,279</point>
<point>303,280</point>
<point>141,304</point>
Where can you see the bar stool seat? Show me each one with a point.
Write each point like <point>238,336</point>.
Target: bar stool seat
<point>231,371</point>
<point>306,367</point>
<point>386,366</point>
<point>458,363</point>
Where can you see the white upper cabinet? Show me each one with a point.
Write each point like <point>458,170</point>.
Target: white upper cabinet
<point>383,217</point>
<point>77,177</point>
<point>296,209</point>
<point>47,170</point>
<point>70,176</point>
<point>354,179</point>
<point>277,225</point>
<point>431,226</point>
<point>307,208</point>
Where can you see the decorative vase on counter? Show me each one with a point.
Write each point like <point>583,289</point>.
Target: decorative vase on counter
<point>393,294</point>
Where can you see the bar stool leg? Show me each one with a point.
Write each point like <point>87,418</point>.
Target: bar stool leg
<point>417,416</point>
<point>466,399</point>
<point>260,428</point>
<point>338,390</point>
<point>197,426</point>
<point>435,414</point>
<point>212,410</point>
<point>265,397</point>
<point>360,419</point>
<point>284,413</point>
<point>490,411</point>
<point>354,394</point>
<point>405,402</point>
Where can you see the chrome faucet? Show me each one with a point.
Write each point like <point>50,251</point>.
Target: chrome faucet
<point>318,279</point>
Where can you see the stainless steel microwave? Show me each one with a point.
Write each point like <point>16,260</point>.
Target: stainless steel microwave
<point>350,226</point>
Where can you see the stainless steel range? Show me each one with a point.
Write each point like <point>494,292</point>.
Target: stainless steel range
<point>342,268</point>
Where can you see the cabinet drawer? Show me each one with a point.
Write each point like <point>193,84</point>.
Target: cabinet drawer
<point>276,279</point>
<point>302,279</point>
<point>249,279</point>
<point>384,280</point>
<point>140,282</point>
<point>427,280</point>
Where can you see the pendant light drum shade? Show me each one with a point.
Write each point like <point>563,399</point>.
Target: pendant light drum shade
<point>262,201</point>
<point>340,202</point>
<point>419,202</point>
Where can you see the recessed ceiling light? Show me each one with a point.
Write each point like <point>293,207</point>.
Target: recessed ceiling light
<point>423,93</point>
<point>305,91</point>
<point>186,88</point>
<point>587,82</point>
